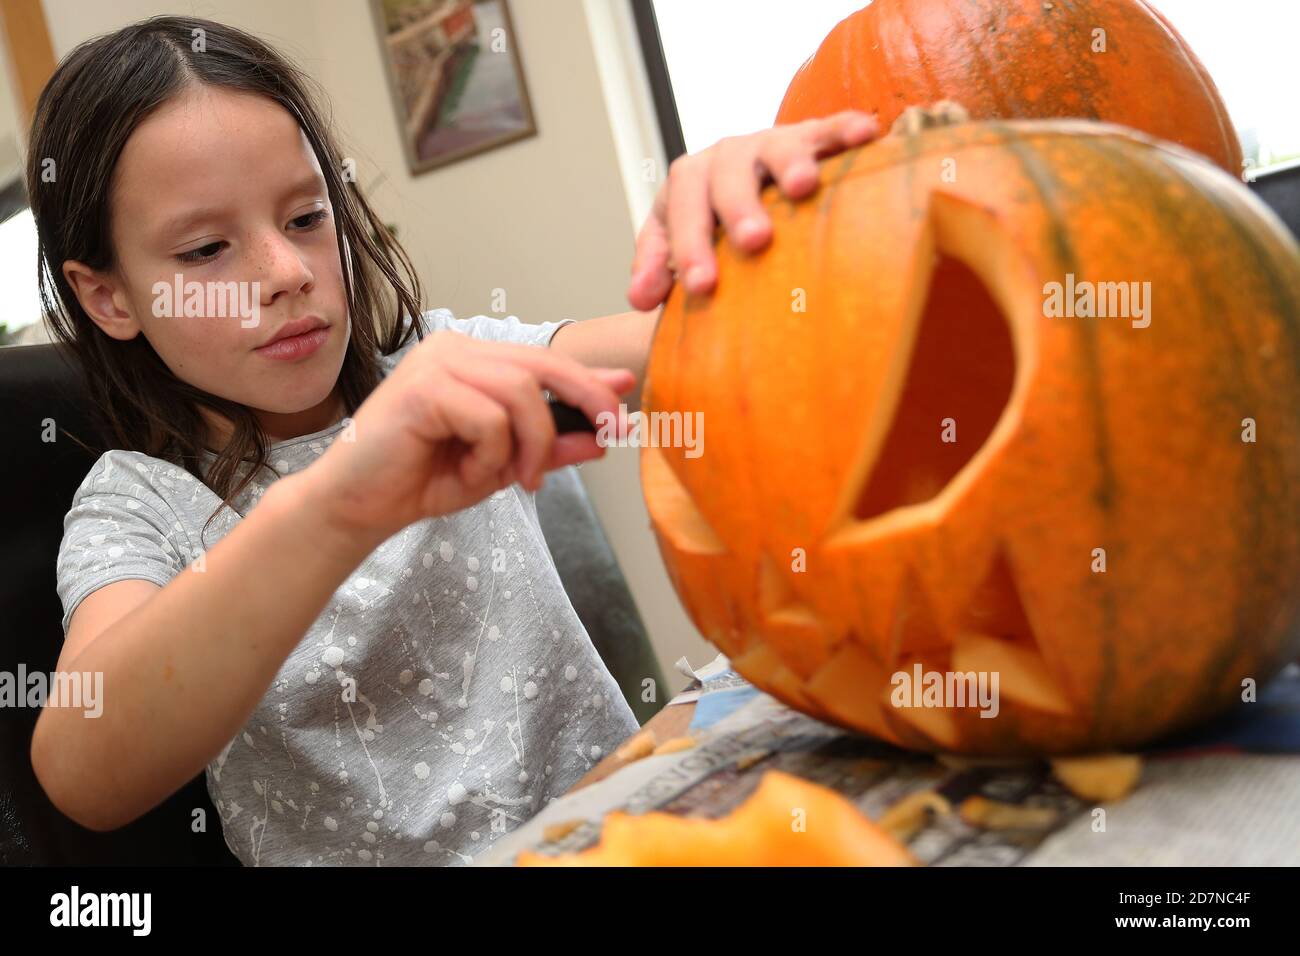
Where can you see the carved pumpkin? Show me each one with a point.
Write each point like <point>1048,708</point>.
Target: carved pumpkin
<point>787,821</point>
<point>1019,59</point>
<point>908,463</point>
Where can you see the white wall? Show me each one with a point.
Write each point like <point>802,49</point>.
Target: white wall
<point>551,219</point>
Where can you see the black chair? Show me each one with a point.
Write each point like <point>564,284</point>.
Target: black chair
<point>41,394</point>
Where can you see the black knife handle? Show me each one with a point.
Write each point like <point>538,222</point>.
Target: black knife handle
<point>569,418</point>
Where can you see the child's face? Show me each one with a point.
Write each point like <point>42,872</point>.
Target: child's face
<point>222,187</point>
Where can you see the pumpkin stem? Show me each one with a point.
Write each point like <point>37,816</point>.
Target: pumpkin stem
<point>916,118</point>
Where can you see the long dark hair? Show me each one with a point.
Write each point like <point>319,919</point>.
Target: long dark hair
<point>96,98</point>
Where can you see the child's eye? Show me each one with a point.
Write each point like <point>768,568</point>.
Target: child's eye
<point>311,219</point>
<point>212,249</point>
<point>201,254</point>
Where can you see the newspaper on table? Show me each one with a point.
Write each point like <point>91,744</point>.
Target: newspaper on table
<point>1222,797</point>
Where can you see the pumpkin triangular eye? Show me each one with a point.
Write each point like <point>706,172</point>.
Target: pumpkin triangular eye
<point>958,381</point>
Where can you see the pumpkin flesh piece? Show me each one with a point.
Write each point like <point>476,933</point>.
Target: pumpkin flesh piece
<point>787,821</point>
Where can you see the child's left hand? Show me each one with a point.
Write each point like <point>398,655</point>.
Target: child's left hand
<point>725,181</point>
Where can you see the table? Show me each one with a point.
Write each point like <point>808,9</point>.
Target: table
<point>673,721</point>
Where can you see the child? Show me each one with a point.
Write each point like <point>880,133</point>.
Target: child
<point>313,564</point>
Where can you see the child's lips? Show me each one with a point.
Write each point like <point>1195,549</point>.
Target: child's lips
<point>295,346</point>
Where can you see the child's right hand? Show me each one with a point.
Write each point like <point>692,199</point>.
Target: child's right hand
<point>456,420</point>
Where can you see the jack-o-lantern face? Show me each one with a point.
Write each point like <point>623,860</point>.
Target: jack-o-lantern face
<point>1015,399</point>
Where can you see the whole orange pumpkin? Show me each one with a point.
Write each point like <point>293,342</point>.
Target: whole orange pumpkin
<point>1118,61</point>
<point>923,456</point>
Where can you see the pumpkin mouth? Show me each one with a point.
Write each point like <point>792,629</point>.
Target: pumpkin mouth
<point>952,398</point>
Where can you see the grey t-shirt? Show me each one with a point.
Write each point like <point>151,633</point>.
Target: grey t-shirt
<point>478,695</point>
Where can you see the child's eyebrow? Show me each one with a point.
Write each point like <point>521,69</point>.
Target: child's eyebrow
<point>311,183</point>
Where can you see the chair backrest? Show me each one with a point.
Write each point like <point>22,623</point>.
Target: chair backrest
<point>42,398</point>
<point>597,588</point>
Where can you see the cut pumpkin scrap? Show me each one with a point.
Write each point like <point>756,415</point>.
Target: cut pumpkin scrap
<point>989,814</point>
<point>674,745</point>
<point>641,744</point>
<point>1099,777</point>
<point>911,814</point>
<point>787,821</point>
<point>555,832</point>
<point>747,760</point>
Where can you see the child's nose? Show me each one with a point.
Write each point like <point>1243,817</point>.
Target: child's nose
<point>279,264</point>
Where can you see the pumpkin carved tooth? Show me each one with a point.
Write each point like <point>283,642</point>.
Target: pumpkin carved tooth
<point>790,627</point>
<point>760,665</point>
<point>1023,675</point>
<point>939,725</point>
<point>995,606</point>
<point>844,689</point>
<point>915,631</point>
<point>997,637</point>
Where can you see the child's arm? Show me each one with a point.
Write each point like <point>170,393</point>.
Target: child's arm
<point>611,341</point>
<point>184,666</point>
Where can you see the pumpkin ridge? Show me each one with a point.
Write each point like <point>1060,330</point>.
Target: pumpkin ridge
<point>1255,573</point>
<point>1287,309</point>
<point>1281,293</point>
<point>1068,259</point>
<point>922,58</point>
<point>1104,493</point>
<point>1095,80</point>
<point>874,157</point>
<point>987,73</point>
<point>1249,563</point>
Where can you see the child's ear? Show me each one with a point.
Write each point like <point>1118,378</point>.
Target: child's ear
<point>103,299</point>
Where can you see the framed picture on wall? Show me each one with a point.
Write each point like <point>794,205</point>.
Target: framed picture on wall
<point>455,76</point>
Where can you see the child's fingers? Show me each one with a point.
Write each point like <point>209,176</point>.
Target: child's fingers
<point>480,422</point>
<point>572,448</point>
<point>517,390</point>
<point>566,378</point>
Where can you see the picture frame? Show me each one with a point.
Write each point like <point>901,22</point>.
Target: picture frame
<point>455,78</point>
